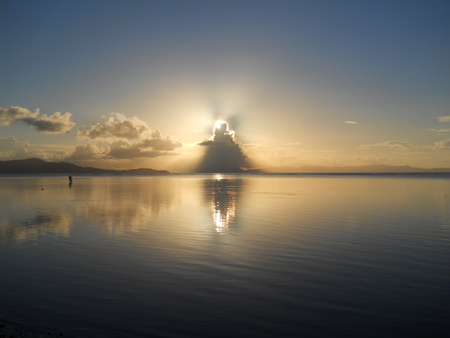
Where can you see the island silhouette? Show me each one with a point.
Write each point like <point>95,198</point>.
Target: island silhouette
<point>38,166</point>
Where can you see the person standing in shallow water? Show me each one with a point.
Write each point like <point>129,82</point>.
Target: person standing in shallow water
<point>70,179</point>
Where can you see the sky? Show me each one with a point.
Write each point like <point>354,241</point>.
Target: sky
<point>130,84</point>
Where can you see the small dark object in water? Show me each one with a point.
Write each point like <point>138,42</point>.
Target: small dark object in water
<point>42,189</point>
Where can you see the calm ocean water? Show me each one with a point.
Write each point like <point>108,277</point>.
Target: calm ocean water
<point>227,255</point>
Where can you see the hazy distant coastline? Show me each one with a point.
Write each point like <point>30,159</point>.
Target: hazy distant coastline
<point>378,168</point>
<point>38,166</point>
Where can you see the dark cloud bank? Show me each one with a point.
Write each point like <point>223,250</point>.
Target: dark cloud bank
<point>223,154</point>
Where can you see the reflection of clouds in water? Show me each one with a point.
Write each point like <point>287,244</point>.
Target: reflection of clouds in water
<point>443,205</point>
<point>117,208</point>
<point>54,221</point>
<point>222,195</point>
<point>113,204</point>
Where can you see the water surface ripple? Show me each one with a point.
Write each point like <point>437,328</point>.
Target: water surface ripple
<point>226,255</point>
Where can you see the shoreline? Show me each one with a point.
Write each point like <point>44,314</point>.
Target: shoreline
<point>14,330</point>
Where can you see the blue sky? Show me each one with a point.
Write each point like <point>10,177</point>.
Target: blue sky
<point>285,75</point>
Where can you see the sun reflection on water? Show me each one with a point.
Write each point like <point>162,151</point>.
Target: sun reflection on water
<point>222,196</point>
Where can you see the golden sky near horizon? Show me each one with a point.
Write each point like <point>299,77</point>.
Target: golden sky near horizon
<point>141,84</point>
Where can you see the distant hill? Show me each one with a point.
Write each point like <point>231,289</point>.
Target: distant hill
<point>378,168</point>
<point>38,166</point>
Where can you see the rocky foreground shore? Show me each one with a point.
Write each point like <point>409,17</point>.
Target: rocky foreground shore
<point>11,330</point>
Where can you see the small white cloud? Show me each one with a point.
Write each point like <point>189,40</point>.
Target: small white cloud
<point>444,118</point>
<point>350,122</point>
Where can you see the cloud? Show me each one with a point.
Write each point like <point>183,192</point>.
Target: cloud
<point>392,144</point>
<point>12,149</point>
<point>160,143</point>
<point>127,150</point>
<point>124,149</point>
<point>444,118</point>
<point>223,153</point>
<point>155,146</point>
<point>123,128</point>
<point>445,144</point>
<point>16,114</point>
<point>86,152</point>
<point>440,130</point>
<point>368,159</point>
<point>124,138</point>
<point>395,144</point>
<point>350,122</point>
<point>222,136</point>
<point>53,124</point>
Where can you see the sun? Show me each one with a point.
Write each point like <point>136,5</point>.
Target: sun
<point>219,124</point>
<point>221,128</point>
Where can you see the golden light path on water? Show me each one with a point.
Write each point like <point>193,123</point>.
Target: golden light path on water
<point>223,204</point>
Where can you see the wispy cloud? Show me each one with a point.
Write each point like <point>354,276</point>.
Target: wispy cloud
<point>391,144</point>
<point>444,118</point>
<point>351,122</point>
<point>54,124</point>
<point>439,130</point>
<point>444,144</point>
